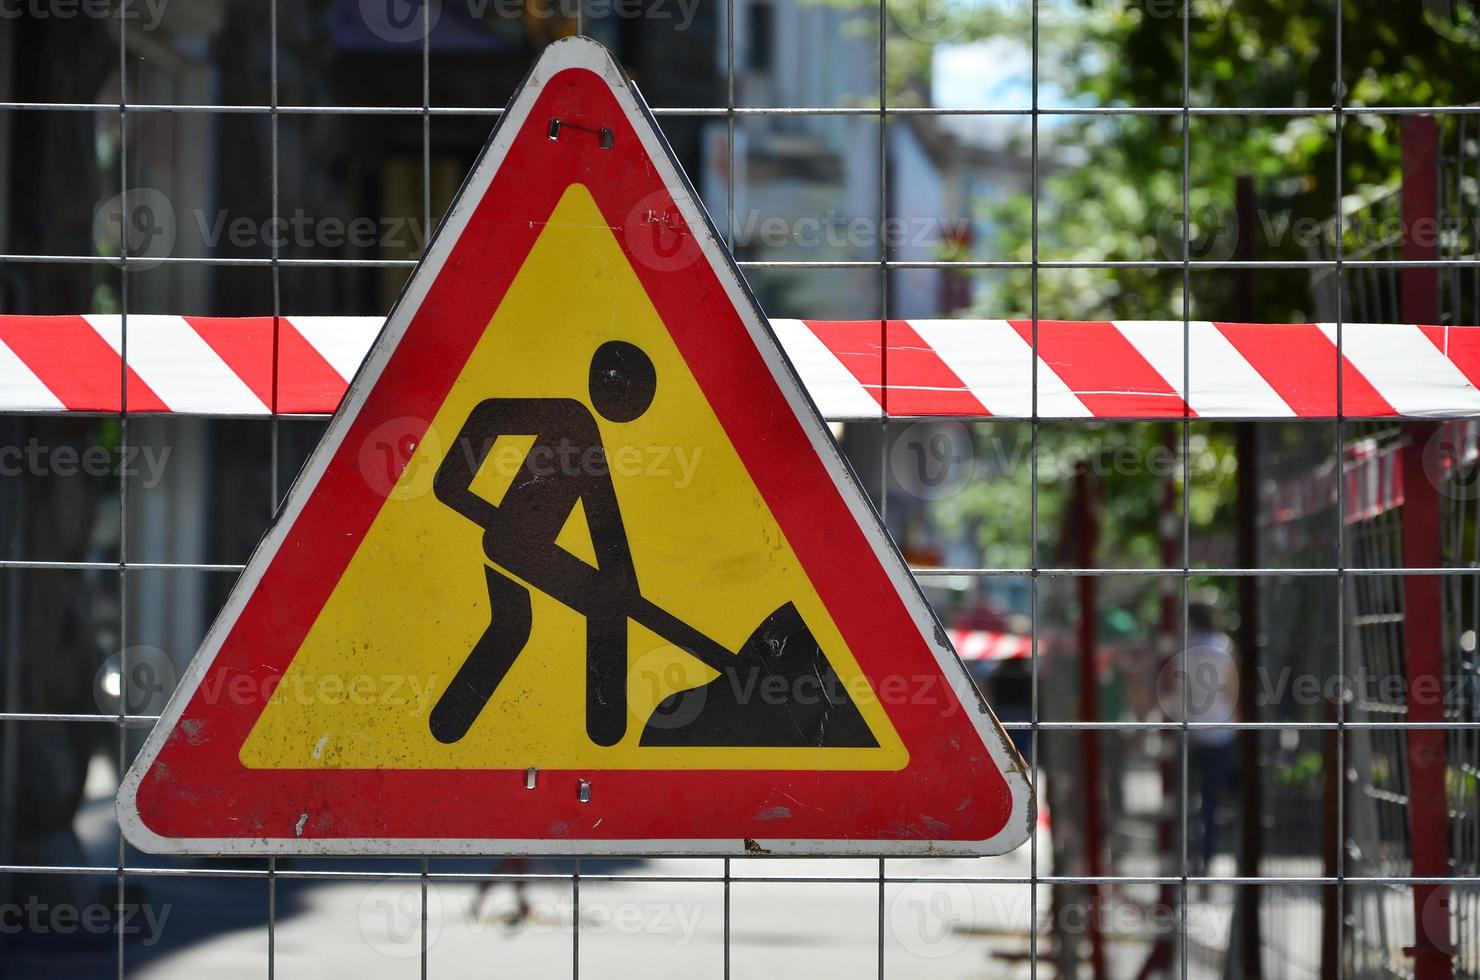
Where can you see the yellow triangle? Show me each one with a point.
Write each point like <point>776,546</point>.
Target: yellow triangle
<point>414,599</point>
<point>575,536</point>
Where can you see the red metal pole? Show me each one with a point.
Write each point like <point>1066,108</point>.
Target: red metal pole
<point>1159,960</point>
<point>1087,527</point>
<point>1251,789</point>
<point>1423,633</point>
<point>1251,779</point>
<point>1420,197</point>
<point>1423,601</point>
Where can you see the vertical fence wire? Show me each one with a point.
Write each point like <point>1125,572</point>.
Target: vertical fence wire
<point>883,219</point>
<point>274,122</point>
<point>1185,735</point>
<point>1034,649</point>
<point>424,241</point>
<point>123,422</point>
<point>726,910</point>
<point>1339,781</point>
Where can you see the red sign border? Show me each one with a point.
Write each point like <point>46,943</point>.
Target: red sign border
<point>964,789</point>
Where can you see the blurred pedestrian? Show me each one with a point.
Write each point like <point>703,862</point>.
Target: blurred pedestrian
<point>1211,678</point>
<point>519,914</point>
<point>1200,686</point>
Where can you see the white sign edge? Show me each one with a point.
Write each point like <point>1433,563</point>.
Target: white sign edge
<point>568,53</point>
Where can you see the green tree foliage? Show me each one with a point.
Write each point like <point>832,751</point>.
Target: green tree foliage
<point>1112,190</point>
<point>1112,187</point>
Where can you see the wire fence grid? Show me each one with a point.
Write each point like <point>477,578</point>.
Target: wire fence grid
<point>1324,885</point>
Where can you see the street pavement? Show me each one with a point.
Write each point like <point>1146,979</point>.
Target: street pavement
<point>822,921</point>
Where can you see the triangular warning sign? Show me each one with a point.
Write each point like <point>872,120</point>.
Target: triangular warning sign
<point>577,568</point>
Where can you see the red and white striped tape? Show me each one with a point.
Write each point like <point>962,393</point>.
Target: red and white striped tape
<point>188,365</point>
<point>988,645</point>
<point>853,369</point>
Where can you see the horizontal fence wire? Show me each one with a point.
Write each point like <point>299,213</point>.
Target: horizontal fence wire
<point>983,264</point>
<point>869,111</point>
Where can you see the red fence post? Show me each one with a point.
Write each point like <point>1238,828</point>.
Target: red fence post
<point>1159,961</point>
<point>1420,201</point>
<point>1087,533</point>
<point>1423,600</point>
<point>1246,641</point>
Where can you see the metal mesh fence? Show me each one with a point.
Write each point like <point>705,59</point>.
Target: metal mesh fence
<point>1379,817</point>
<point>106,594</point>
